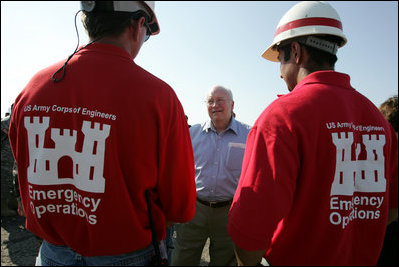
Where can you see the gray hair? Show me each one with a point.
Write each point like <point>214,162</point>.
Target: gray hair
<point>228,91</point>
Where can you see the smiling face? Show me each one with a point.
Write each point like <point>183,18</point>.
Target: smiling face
<point>220,106</point>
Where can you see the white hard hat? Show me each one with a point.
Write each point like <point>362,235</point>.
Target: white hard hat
<point>306,18</point>
<point>126,6</point>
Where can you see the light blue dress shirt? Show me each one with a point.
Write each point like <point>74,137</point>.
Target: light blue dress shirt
<point>218,159</point>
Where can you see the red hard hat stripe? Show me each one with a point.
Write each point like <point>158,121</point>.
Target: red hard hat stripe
<point>308,22</point>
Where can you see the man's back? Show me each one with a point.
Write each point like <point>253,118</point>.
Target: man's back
<point>325,175</point>
<point>97,140</point>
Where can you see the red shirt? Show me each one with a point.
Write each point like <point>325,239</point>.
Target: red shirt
<point>319,173</point>
<point>88,147</point>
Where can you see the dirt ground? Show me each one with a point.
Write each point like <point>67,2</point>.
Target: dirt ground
<point>19,247</point>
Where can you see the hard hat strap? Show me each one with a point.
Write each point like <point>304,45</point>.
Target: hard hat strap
<point>320,44</point>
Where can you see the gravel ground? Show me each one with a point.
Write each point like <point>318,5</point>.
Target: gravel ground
<point>19,247</point>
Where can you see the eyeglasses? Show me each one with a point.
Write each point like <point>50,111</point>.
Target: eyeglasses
<point>210,102</point>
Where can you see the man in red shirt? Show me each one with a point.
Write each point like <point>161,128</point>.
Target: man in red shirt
<point>320,172</point>
<point>91,136</point>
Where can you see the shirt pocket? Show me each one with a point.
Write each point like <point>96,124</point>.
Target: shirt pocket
<point>235,155</point>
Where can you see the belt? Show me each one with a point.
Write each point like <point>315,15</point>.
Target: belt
<point>215,204</point>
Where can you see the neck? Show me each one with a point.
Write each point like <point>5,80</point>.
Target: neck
<point>220,126</point>
<point>122,41</point>
<point>307,66</point>
<point>302,73</point>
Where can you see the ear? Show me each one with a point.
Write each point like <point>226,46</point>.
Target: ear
<point>296,52</point>
<point>135,27</point>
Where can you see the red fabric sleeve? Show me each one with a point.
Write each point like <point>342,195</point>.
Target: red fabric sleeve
<point>176,166</point>
<point>264,198</point>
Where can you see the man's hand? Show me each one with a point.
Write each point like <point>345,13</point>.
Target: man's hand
<point>21,211</point>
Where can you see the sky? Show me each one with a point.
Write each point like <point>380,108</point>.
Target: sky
<point>203,44</point>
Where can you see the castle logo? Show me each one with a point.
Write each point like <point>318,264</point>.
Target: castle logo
<point>358,175</point>
<point>87,166</point>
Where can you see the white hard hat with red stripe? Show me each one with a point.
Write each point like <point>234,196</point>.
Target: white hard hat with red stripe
<point>304,19</point>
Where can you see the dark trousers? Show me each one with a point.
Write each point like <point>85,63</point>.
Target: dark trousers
<point>389,254</point>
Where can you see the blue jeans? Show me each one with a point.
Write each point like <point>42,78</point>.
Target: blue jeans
<point>52,255</point>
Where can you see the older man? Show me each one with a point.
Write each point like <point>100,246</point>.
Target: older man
<point>218,147</point>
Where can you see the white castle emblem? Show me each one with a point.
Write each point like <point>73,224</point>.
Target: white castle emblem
<point>359,175</point>
<point>88,165</point>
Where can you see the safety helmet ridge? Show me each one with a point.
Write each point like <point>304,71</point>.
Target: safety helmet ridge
<point>308,18</point>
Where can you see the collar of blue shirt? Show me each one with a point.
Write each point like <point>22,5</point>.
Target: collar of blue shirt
<point>232,126</point>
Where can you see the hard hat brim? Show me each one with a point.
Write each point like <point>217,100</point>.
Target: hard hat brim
<point>271,54</point>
